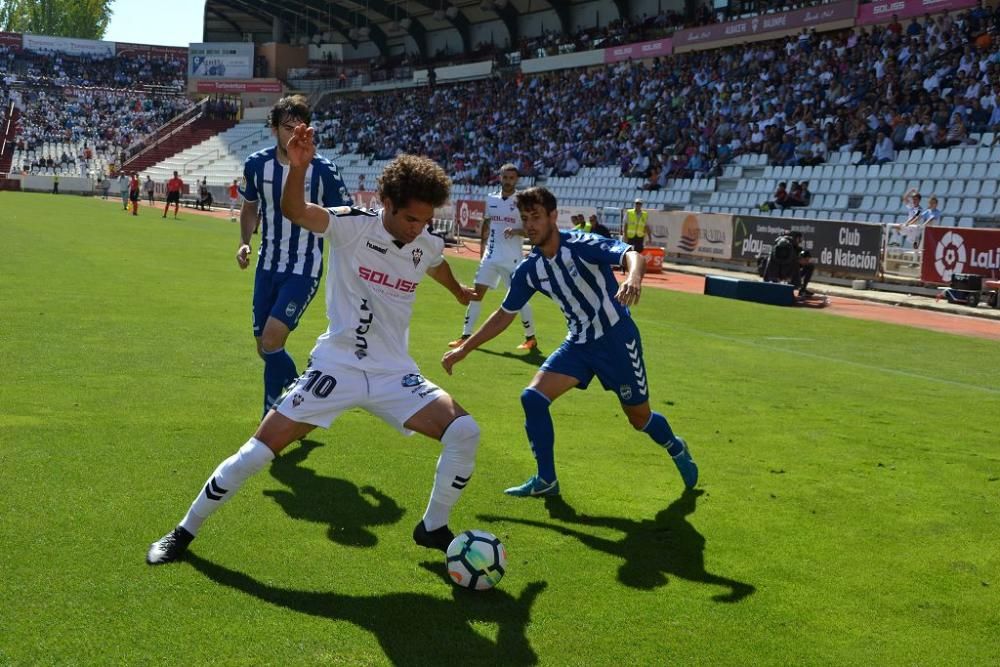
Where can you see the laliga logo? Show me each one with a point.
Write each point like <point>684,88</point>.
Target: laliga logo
<point>463,214</point>
<point>949,256</point>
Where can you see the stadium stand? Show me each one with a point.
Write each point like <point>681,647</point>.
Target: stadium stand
<point>81,115</point>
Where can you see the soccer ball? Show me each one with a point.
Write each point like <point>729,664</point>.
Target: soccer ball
<point>477,560</point>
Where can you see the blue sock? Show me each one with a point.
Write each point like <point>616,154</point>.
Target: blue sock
<point>659,430</point>
<point>279,372</point>
<point>541,435</point>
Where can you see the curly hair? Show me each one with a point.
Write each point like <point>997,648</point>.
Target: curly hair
<point>290,106</point>
<point>536,196</point>
<point>414,177</point>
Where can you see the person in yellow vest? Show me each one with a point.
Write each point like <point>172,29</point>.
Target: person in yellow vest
<point>580,224</point>
<point>636,229</point>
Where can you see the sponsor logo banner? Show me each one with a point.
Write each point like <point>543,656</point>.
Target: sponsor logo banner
<point>657,47</point>
<point>949,250</point>
<point>469,214</point>
<point>693,234</point>
<point>73,47</point>
<point>759,25</point>
<point>221,60</point>
<point>253,86</point>
<point>881,12</point>
<point>845,248</point>
<point>11,39</point>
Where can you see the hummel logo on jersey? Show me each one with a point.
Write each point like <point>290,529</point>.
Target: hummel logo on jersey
<point>376,248</point>
<point>417,256</point>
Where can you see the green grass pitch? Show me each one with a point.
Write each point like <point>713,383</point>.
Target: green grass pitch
<point>848,512</point>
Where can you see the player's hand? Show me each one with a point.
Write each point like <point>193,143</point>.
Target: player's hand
<point>243,255</point>
<point>301,148</point>
<point>628,293</point>
<point>467,294</point>
<point>452,357</point>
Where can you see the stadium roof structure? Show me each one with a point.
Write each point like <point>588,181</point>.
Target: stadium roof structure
<point>378,21</point>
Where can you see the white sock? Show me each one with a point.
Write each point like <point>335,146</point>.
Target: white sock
<point>528,321</point>
<point>471,315</point>
<point>454,469</point>
<point>226,481</point>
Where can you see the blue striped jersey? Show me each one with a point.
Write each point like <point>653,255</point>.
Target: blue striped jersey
<point>284,247</point>
<point>579,278</point>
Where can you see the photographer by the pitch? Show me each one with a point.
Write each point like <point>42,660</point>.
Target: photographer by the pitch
<point>789,263</point>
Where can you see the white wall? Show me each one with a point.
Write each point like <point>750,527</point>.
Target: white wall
<point>532,25</point>
<point>587,15</point>
<point>363,52</point>
<point>440,39</point>
<point>494,32</point>
<point>652,7</point>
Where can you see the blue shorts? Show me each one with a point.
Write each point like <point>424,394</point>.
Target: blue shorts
<point>283,296</point>
<point>615,358</point>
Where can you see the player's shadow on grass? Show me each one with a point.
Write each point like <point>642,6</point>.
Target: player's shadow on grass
<point>412,628</point>
<point>651,548</point>
<point>534,357</point>
<point>348,511</point>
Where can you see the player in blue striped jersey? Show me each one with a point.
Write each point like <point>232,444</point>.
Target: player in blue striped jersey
<point>290,260</point>
<point>574,270</point>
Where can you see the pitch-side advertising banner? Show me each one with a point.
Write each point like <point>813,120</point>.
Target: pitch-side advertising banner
<point>846,248</point>
<point>693,234</point>
<point>765,23</point>
<point>950,250</point>
<point>469,214</point>
<point>881,12</point>
<point>220,60</point>
<point>73,47</point>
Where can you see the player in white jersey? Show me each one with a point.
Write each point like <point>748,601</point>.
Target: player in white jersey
<point>377,258</point>
<point>499,252</point>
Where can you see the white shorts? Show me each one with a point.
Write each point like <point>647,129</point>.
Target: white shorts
<point>320,395</point>
<point>491,272</point>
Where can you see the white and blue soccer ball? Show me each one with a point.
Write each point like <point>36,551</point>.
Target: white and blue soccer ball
<point>476,560</point>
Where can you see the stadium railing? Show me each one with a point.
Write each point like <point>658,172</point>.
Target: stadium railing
<point>180,122</point>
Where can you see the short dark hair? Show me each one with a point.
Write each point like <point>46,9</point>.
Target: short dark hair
<point>290,106</point>
<point>536,196</point>
<point>414,177</point>
<point>510,166</point>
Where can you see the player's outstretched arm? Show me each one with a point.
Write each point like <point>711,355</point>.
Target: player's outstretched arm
<point>630,290</point>
<point>490,329</point>
<point>294,206</point>
<point>442,274</point>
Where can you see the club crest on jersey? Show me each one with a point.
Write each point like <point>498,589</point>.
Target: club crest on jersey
<point>625,392</point>
<point>412,380</point>
<point>297,400</point>
<point>418,254</point>
<point>291,308</point>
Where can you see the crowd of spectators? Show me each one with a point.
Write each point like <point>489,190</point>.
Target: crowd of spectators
<point>929,83</point>
<point>125,71</point>
<point>88,106</point>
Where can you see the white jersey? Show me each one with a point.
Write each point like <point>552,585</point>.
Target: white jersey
<point>503,215</point>
<point>371,283</point>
